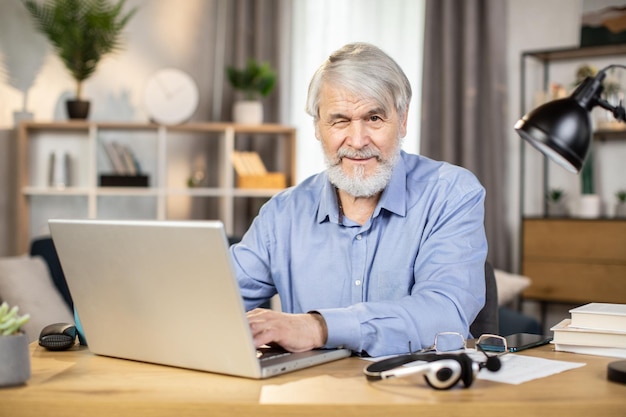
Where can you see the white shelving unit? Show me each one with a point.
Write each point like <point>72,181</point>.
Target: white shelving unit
<point>167,155</point>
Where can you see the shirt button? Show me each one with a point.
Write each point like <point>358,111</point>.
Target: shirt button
<point>359,237</point>
<point>357,282</point>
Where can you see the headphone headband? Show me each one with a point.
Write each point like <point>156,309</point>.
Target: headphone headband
<point>441,370</point>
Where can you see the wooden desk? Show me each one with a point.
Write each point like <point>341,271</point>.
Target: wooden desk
<point>79,383</point>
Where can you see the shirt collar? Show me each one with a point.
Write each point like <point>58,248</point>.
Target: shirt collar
<point>393,199</point>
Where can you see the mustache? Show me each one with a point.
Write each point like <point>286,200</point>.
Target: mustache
<point>364,153</point>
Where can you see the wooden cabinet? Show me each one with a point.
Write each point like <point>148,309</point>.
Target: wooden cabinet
<point>168,156</point>
<point>575,260</point>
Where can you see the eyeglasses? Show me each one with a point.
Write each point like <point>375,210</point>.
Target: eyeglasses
<point>492,343</point>
<point>444,342</point>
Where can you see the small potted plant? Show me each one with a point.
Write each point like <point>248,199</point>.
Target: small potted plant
<point>81,32</point>
<point>14,354</point>
<point>620,207</point>
<point>556,203</point>
<point>254,81</point>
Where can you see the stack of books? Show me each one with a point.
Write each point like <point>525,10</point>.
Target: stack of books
<point>593,329</point>
<point>251,172</point>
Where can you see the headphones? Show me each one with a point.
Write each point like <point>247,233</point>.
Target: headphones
<point>441,370</point>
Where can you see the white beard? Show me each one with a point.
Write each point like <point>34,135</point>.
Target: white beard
<point>356,183</point>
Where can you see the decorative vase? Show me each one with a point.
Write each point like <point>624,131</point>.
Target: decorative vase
<point>249,112</point>
<point>77,109</point>
<point>14,360</point>
<point>589,206</point>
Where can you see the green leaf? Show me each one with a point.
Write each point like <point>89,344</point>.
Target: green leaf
<point>253,80</point>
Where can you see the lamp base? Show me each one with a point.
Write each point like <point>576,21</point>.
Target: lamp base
<point>616,372</point>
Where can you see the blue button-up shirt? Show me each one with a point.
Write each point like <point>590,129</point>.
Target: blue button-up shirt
<point>414,269</point>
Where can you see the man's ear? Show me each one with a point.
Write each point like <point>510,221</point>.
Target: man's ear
<point>318,136</point>
<point>403,120</point>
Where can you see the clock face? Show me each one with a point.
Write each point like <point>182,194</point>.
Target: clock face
<point>171,96</point>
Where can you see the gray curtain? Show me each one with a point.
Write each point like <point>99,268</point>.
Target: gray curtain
<point>464,102</point>
<point>237,31</point>
<point>256,29</point>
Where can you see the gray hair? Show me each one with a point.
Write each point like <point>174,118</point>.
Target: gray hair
<point>365,70</point>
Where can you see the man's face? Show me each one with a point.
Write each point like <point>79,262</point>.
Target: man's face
<point>361,140</point>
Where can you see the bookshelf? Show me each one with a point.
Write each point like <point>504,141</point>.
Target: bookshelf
<point>168,156</point>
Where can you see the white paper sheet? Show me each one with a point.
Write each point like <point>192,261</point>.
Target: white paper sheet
<point>517,369</point>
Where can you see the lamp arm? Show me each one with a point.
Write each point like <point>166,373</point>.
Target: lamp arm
<point>618,111</point>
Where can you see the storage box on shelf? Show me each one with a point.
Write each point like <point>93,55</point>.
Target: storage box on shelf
<point>166,156</point>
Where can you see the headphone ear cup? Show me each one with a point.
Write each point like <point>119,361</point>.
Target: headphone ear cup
<point>444,373</point>
<point>470,369</point>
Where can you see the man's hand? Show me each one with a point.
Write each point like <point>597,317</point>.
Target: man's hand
<point>294,332</point>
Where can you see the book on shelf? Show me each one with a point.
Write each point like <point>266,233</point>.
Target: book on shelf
<point>114,158</point>
<point>251,172</point>
<point>122,159</point>
<point>599,316</point>
<point>568,334</point>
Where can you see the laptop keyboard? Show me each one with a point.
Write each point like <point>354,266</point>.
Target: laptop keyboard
<point>264,353</point>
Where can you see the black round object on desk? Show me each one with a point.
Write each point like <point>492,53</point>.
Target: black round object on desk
<point>616,372</point>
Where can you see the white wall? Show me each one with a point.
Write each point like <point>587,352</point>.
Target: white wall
<point>322,26</point>
<point>162,33</point>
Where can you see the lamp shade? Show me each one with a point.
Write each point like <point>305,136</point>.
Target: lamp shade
<point>561,129</point>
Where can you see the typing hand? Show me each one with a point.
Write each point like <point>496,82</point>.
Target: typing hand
<point>294,332</point>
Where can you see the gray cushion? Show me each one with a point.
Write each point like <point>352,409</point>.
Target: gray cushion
<point>25,282</point>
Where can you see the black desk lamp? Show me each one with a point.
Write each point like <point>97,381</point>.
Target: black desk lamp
<point>561,129</point>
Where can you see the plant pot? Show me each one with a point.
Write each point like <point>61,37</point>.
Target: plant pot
<point>557,209</point>
<point>14,360</point>
<point>249,112</point>
<point>620,210</point>
<point>590,206</point>
<point>77,109</point>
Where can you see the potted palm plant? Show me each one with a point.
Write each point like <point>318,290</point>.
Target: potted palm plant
<point>14,355</point>
<point>254,81</point>
<point>81,32</point>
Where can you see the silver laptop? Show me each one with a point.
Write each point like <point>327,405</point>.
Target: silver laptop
<point>165,292</point>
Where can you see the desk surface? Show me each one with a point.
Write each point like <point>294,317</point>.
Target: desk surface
<point>78,382</point>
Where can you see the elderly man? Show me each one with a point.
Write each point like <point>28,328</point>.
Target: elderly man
<point>383,249</point>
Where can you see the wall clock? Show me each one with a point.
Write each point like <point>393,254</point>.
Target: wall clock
<point>171,96</point>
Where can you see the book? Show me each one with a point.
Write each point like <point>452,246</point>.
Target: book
<point>116,161</point>
<point>599,316</point>
<point>591,350</point>
<point>125,158</point>
<point>567,334</point>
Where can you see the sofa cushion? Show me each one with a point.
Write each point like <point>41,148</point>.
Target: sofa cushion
<point>25,282</point>
<point>510,286</point>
